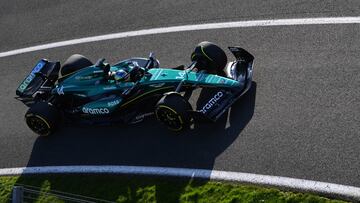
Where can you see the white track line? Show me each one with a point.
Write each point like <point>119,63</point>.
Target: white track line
<point>349,192</point>
<point>330,189</point>
<point>207,26</point>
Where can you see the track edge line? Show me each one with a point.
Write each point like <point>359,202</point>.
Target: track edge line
<point>191,27</point>
<point>293,184</point>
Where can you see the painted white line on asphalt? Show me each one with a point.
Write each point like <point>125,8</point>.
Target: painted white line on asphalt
<point>301,185</point>
<point>207,26</point>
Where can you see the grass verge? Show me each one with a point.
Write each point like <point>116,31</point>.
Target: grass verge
<point>149,189</point>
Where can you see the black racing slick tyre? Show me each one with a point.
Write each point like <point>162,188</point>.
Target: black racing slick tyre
<point>209,57</point>
<point>173,110</point>
<point>74,63</point>
<point>42,118</point>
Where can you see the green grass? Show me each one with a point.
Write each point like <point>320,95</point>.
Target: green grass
<point>151,189</point>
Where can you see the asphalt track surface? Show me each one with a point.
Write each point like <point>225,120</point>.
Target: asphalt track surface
<point>300,119</point>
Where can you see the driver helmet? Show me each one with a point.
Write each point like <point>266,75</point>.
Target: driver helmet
<point>121,76</point>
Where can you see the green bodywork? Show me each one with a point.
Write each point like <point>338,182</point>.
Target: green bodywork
<point>90,82</point>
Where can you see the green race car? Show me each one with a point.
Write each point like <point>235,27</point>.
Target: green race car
<point>91,93</point>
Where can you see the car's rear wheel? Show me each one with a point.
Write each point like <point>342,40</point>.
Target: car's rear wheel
<point>173,111</point>
<point>209,57</point>
<point>74,63</point>
<point>42,118</point>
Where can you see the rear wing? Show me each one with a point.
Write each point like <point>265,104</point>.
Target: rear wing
<point>43,74</point>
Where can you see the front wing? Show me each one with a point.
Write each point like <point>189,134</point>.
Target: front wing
<point>214,102</point>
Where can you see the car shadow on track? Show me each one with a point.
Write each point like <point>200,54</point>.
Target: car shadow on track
<point>145,144</point>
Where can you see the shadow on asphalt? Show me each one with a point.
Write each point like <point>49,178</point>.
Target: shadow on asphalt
<point>145,144</point>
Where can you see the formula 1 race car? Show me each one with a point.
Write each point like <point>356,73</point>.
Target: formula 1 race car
<point>89,93</point>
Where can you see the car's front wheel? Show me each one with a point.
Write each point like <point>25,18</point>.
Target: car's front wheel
<point>173,110</point>
<point>42,118</point>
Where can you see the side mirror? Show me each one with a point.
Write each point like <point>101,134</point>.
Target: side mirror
<point>151,55</point>
<point>100,63</point>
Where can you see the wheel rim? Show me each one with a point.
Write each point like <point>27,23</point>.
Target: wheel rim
<point>169,117</point>
<point>38,124</point>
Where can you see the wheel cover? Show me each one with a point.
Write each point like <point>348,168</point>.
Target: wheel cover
<point>169,117</point>
<point>38,124</point>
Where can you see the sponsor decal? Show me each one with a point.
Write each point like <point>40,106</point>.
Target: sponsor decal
<point>113,103</point>
<point>98,71</point>
<point>157,85</point>
<point>181,75</point>
<point>88,77</point>
<point>109,88</point>
<point>144,115</point>
<point>31,76</point>
<point>95,111</point>
<point>60,90</point>
<point>141,117</point>
<point>211,102</point>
